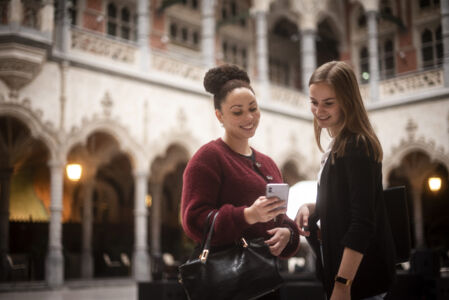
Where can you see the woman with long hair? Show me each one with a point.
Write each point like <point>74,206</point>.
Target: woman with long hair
<point>357,256</point>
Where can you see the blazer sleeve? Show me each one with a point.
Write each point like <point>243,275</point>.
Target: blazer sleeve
<point>361,173</point>
<point>200,194</point>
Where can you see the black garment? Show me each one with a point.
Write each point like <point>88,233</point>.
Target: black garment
<point>271,296</point>
<point>352,211</point>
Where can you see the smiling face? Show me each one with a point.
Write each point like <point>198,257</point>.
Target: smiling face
<point>325,107</point>
<point>239,114</point>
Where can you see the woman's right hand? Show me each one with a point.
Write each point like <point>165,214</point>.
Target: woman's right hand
<point>302,219</point>
<point>264,209</point>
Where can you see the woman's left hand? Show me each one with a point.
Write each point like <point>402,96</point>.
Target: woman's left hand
<point>279,240</point>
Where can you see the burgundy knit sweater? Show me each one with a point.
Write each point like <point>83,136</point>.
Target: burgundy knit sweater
<point>217,178</point>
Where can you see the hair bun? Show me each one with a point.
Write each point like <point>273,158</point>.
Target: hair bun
<point>216,77</point>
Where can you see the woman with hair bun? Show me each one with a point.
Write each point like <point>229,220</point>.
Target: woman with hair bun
<point>229,176</point>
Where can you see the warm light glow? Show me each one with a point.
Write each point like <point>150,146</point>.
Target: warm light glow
<point>435,184</point>
<point>74,171</point>
<point>148,200</point>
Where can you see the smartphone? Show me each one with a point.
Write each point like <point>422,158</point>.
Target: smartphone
<point>279,190</point>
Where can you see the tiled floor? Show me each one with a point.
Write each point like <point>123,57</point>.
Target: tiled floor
<point>102,290</point>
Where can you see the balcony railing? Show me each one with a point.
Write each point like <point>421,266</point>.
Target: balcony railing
<point>103,46</point>
<point>405,85</point>
<point>178,67</point>
<point>100,45</point>
<point>289,97</point>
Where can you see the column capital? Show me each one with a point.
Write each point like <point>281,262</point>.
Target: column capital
<point>370,5</point>
<point>308,12</point>
<point>141,173</point>
<point>207,6</point>
<point>55,163</point>
<point>260,6</point>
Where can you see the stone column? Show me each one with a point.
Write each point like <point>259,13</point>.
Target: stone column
<point>46,16</point>
<point>141,261</point>
<point>54,263</point>
<point>143,32</point>
<point>87,262</point>
<point>445,35</point>
<point>15,12</point>
<point>156,193</point>
<point>63,36</point>
<point>208,32</point>
<point>308,56</point>
<point>5,182</point>
<point>371,16</point>
<point>262,54</point>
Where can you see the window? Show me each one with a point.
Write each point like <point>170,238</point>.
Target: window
<point>120,22</point>
<point>279,71</point>
<point>195,37</point>
<point>235,53</point>
<point>112,19</point>
<point>4,12</point>
<point>431,47</point>
<point>184,34</point>
<point>173,31</point>
<point>385,8</point>
<point>190,3</point>
<point>126,20</point>
<point>364,65</point>
<point>361,20</point>
<point>429,4</point>
<point>73,11</point>
<point>234,12</point>
<point>31,10</point>
<point>386,59</point>
<point>224,48</point>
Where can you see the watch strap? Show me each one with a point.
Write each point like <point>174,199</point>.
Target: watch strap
<point>343,280</point>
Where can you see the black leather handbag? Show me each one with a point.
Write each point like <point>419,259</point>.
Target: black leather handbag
<point>242,271</point>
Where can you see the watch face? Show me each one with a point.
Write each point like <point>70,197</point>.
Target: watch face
<point>342,280</point>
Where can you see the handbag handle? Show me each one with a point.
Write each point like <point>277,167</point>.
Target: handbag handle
<point>205,245</point>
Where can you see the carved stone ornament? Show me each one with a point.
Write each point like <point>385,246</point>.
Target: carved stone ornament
<point>107,104</point>
<point>19,64</point>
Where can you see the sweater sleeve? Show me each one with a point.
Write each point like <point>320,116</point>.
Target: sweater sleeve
<point>201,189</point>
<point>293,246</point>
<point>361,174</point>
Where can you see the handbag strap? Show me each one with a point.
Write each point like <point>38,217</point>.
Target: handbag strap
<point>206,228</point>
<point>205,245</point>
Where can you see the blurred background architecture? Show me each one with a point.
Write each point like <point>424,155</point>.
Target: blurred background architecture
<point>102,105</point>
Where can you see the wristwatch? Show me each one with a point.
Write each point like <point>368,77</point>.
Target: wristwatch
<point>343,280</point>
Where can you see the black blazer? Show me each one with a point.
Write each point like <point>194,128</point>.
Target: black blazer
<point>352,211</point>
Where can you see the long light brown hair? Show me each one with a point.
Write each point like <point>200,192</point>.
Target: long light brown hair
<point>340,76</point>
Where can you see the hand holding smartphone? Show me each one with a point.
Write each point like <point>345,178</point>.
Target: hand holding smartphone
<point>279,190</point>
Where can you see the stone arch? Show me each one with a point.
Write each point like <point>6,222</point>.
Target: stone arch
<point>125,142</point>
<point>335,21</point>
<point>174,154</point>
<point>330,37</point>
<point>184,140</point>
<point>407,147</point>
<point>33,121</point>
<point>165,190</point>
<point>294,159</point>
